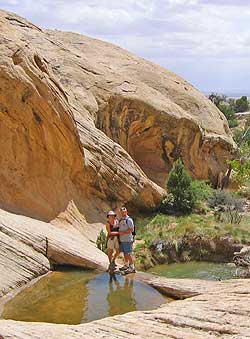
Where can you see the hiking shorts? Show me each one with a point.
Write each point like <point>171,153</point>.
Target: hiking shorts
<point>126,247</point>
<point>113,243</point>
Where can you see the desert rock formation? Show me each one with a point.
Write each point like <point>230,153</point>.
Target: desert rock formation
<point>86,126</point>
<point>80,115</point>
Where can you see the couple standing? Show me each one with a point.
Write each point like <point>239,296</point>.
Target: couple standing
<point>120,239</point>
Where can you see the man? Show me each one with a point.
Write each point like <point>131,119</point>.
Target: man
<point>126,228</point>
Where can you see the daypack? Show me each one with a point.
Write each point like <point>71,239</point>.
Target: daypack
<point>134,231</point>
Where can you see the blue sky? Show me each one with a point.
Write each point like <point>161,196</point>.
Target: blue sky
<point>205,41</point>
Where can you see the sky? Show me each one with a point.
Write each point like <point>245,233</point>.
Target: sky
<point>207,42</point>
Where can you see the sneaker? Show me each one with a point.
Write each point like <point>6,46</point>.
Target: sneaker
<point>123,268</point>
<point>129,270</point>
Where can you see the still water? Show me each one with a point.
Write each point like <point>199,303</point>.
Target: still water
<point>195,270</point>
<point>77,296</point>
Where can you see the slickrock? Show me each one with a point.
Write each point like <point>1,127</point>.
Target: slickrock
<point>222,313</point>
<point>86,126</point>
<point>28,246</point>
<point>85,114</point>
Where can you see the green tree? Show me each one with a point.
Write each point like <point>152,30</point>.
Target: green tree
<point>242,105</point>
<point>228,111</point>
<point>179,184</point>
<point>217,99</point>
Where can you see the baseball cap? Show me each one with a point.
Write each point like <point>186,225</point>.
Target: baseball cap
<point>111,213</point>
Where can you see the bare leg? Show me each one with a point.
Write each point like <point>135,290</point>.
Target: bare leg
<point>110,255</point>
<point>126,258</point>
<point>129,259</point>
<point>117,252</point>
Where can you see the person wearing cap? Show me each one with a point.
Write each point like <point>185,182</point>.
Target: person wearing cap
<point>126,228</point>
<point>112,228</point>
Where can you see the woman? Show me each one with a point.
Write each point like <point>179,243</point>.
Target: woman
<point>112,228</point>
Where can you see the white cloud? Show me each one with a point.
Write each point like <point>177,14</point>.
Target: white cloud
<point>177,33</point>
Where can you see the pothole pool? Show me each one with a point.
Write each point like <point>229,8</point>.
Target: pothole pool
<point>196,270</point>
<point>76,296</point>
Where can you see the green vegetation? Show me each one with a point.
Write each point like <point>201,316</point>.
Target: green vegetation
<point>184,194</point>
<point>218,214</point>
<point>241,164</point>
<point>241,105</point>
<point>179,184</point>
<point>173,229</point>
<point>101,241</point>
<point>229,106</point>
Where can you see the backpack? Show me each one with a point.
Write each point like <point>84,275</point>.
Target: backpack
<point>134,231</point>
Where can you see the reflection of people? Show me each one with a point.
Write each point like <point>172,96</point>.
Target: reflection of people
<point>120,298</point>
<point>112,228</point>
<point>126,228</point>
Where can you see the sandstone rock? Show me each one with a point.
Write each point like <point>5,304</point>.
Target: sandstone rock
<point>84,127</point>
<point>28,247</point>
<point>69,89</point>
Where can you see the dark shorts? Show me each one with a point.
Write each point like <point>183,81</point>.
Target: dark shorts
<point>126,247</point>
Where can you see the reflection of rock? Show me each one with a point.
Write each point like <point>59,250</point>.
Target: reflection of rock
<point>221,311</point>
<point>58,297</point>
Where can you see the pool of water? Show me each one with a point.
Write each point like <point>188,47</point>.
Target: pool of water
<point>195,270</point>
<point>77,296</point>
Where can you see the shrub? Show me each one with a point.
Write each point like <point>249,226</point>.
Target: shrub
<point>228,111</point>
<point>201,190</point>
<point>233,123</point>
<point>179,184</point>
<point>241,104</point>
<point>220,198</point>
<point>167,204</point>
<point>101,241</point>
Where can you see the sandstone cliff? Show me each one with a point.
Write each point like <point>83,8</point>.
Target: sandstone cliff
<point>86,126</point>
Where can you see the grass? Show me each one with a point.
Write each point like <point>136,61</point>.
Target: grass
<point>173,228</point>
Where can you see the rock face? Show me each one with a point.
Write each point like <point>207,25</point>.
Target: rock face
<point>84,127</point>
<point>85,114</point>
<point>28,247</point>
<point>221,311</point>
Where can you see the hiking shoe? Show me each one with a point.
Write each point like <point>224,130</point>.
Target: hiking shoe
<point>123,268</point>
<point>129,270</point>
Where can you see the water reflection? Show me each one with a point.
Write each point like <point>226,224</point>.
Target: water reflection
<point>120,297</point>
<point>76,296</point>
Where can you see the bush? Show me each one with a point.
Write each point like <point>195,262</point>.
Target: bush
<point>228,111</point>
<point>220,198</point>
<point>167,204</point>
<point>101,241</point>
<point>233,123</point>
<point>241,104</point>
<point>201,190</point>
<point>179,184</point>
